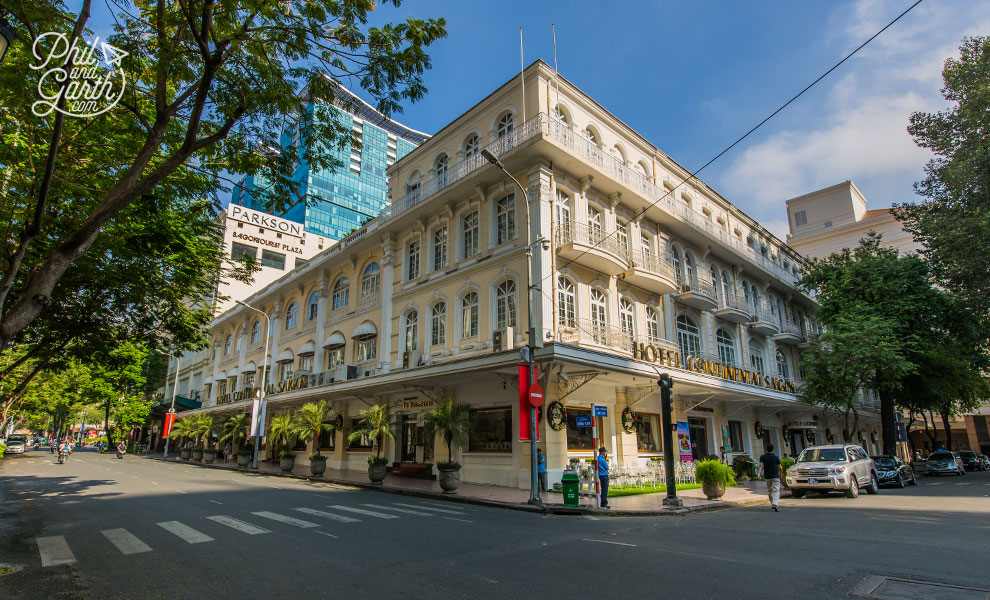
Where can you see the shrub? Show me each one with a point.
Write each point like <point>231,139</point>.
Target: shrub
<point>449,464</point>
<point>317,456</point>
<point>743,465</point>
<point>245,452</point>
<point>713,471</point>
<point>3,448</point>
<point>785,463</point>
<point>374,460</point>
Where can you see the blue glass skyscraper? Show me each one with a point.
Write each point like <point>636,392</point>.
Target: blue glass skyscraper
<point>339,201</point>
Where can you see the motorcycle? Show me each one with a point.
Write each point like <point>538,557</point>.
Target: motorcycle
<point>62,455</point>
<point>120,453</point>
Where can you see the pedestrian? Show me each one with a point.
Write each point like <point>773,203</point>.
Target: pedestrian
<point>770,471</point>
<point>226,452</point>
<point>603,475</point>
<point>917,456</point>
<point>541,469</point>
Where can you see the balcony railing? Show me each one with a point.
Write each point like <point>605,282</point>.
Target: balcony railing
<point>572,232</point>
<point>586,331</point>
<point>698,286</point>
<point>652,263</point>
<point>792,329</point>
<point>732,301</point>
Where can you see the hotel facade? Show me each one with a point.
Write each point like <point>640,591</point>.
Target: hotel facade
<point>634,271</point>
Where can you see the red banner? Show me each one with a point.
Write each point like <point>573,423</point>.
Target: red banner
<point>524,403</point>
<point>169,419</point>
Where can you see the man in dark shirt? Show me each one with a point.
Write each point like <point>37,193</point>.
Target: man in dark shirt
<point>770,471</point>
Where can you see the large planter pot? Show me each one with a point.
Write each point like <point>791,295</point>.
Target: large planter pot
<point>287,463</point>
<point>243,460</point>
<point>184,453</point>
<point>712,490</point>
<point>209,456</point>
<point>197,454</point>
<point>376,473</point>
<point>317,466</point>
<point>450,479</point>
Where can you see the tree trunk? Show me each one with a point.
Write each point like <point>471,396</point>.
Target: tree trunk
<point>930,433</point>
<point>948,429</point>
<point>888,428</point>
<point>907,429</point>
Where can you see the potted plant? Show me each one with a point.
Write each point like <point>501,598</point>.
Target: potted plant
<point>182,429</point>
<point>743,467</point>
<point>375,423</point>
<point>310,422</point>
<point>714,476</point>
<point>450,420</point>
<point>244,457</point>
<point>235,429</point>
<point>202,426</point>
<point>280,430</point>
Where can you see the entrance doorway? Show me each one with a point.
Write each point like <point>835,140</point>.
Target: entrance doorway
<point>698,429</point>
<point>409,440</point>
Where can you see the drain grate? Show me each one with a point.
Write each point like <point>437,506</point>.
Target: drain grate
<point>895,588</point>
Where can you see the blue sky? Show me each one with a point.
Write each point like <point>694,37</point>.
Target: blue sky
<point>693,76</point>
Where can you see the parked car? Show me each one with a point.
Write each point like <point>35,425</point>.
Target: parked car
<point>840,467</point>
<point>16,443</point>
<point>891,470</point>
<point>943,461</point>
<point>971,460</point>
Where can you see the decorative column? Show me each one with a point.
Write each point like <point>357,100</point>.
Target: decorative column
<point>387,285</point>
<point>320,357</point>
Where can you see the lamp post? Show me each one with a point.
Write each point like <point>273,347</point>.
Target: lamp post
<point>6,37</point>
<point>534,341</point>
<point>170,416</point>
<point>264,383</point>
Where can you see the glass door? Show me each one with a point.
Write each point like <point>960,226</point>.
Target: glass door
<point>699,438</point>
<point>408,438</point>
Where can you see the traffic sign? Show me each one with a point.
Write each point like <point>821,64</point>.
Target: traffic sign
<point>536,395</point>
<point>583,421</point>
<point>601,411</point>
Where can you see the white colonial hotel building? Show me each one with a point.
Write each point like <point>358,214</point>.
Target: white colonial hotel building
<point>641,272</point>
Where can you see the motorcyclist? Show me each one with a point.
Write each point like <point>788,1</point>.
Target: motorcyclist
<point>121,449</point>
<point>63,452</point>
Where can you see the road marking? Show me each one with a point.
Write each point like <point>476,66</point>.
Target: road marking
<point>456,519</point>
<point>154,483</point>
<point>361,511</point>
<point>420,506</point>
<point>125,541</point>
<point>327,534</point>
<point>607,542</point>
<point>238,525</point>
<point>401,510</point>
<point>181,492</point>
<point>284,519</point>
<point>215,502</point>
<point>425,503</point>
<point>54,551</point>
<point>185,532</point>
<point>967,483</point>
<point>327,515</point>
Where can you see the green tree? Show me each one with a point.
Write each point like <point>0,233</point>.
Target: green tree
<point>280,429</point>
<point>183,428</point>
<point>210,87</point>
<point>450,420</point>
<point>312,420</point>
<point>953,222</point>
<point>374,422</point>
<point>235,428</point>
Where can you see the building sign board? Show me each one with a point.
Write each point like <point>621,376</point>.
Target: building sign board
<point>260,219</point>
<point>583,421</point>
<point>671,358</point>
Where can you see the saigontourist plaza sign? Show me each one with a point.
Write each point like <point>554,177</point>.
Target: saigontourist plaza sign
<point>672,358</point>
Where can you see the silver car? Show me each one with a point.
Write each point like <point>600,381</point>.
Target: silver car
<point>943,461</point>
<point>840,467</point>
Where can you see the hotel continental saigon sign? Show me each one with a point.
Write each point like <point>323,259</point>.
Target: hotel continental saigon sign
<point>288,385</point>
<point>672,358</point>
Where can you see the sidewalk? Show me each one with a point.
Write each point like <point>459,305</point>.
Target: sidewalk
<point>744,494</point>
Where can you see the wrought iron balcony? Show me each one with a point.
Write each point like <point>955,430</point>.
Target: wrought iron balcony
<point>696,293</point>
<point>651,272</point>
<point>591,247</point>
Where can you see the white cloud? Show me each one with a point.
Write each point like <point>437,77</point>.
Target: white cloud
<point>861,132</point>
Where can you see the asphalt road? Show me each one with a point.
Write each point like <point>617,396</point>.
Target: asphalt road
<point>98,527</point>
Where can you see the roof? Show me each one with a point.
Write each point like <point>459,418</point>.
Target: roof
<point>877,212</point>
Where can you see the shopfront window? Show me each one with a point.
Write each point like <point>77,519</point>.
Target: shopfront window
<point>490,430</point>
<point>365,442</point>
<point>648,433</point>
<point>578,438</point>
<point>735,436</point>
<point>328,439</point>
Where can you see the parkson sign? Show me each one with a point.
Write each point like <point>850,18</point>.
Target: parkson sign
<point>672,358</point>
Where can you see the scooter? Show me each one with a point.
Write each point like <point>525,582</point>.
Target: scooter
<point>62,455</point>
<point>120,453</point>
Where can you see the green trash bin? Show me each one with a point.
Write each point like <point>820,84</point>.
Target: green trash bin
<point>570,483</point>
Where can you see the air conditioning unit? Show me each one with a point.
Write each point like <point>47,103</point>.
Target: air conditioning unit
<point>502,339</point>
<point>410,358</point>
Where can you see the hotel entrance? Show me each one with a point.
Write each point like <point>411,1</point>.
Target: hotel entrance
<point>699,437</point>
<point>410,439</point>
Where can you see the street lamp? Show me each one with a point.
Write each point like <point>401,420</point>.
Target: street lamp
<point>170,416</point>
<point>534,341</point>
<point>6,37</point>
<point>264,383</point>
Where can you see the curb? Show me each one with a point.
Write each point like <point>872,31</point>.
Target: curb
<point>547,509</point>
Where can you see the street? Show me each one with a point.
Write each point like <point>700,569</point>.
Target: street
<point>139,528</point>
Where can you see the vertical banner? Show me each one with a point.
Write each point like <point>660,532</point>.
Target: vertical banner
<point>524,404</point>
<point>258,416</point>
<point>684,441</point>
<point>169,420</point>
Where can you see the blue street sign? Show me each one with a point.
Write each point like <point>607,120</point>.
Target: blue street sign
<point>583,421</point>
<point>601,411</point>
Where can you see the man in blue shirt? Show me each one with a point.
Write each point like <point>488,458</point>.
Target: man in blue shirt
<point>770,471</point>
<point>541,469</point>
<point>603,475</point>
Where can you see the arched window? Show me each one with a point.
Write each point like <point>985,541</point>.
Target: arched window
<point>412,331</point>
<point>505,219</point>
<point>469,315</point>
<point>626,318</point>
<point>442,165</point>
<point>440,248</point>
<point>341,291</point>
<point>312,306</point>
<point>726,289</point>
<point>688,336</point>
<point>227,342</point>
<point>726,347</point>
<point>596,230</point>
<point>505,124</point>
<point>370,281</point>
<point>617,153</point>
<point>558,113</point>
<point>292,315</point>
<point>622,234</point>
<point>748,296</point>
<point>599,316</point>
<point>589,135</point>
<point>271,324</point>
<point>562,208</point>
<point>714,274</point>
<point>652,325</point>
<point>641,169</point>
<point>675,260</point>
<point>238,340</point>
<point>256,332</point>
<point>757,357</point>
<point>565,303</point>
<point>783,366</point>
<point>471,238</point>
<point>412,260</point>
<point>438,325</point>
<point>472,146</point>
<point>505,305</point>
<point>689,268</point>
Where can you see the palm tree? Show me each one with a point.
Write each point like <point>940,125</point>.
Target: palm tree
<point>182,428</point>
<point>280,430</point>
<point>202,428</point>
<point>312,420</point>
<point>235,428</point>
<point>376,423</point>
<point>450,419</point>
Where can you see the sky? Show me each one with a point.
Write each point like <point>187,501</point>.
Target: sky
<point>692,77</point>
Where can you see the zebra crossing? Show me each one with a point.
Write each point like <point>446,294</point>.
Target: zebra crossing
<point>55,550</point>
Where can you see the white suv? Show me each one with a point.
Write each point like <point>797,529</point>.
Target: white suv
<point>847,468</point>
